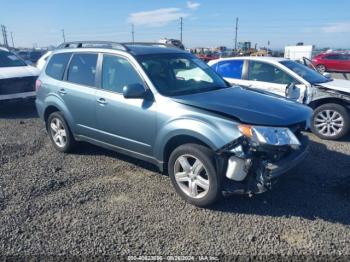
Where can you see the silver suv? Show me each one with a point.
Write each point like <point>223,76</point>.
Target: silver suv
<point>165,106</point>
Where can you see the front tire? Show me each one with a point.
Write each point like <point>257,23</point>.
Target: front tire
<point>194,175</point>
<point>321,68</point>
<point>330,121</point>
<point>59,133</point>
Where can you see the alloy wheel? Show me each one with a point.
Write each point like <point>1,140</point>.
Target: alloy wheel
<point>58,132</point>
<point>329,122</point>
<point>321,68</point>
<point>191,176</point>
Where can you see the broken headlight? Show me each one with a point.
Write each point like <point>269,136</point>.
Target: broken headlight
<point>276,136</point>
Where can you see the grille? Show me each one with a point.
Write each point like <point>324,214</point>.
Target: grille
<point>17,85</point>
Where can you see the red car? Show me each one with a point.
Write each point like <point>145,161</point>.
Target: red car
<point>332,62</point>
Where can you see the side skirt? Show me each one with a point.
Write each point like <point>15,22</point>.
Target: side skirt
<point>121,150</point>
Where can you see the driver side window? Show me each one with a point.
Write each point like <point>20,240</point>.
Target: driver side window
<point>260,71</point>
<point>117,72</point>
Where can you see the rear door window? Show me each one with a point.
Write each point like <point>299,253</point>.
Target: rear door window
<point>57,65</point>
<point>82,69</point>
<point>264,72</point>
<point>230,69</point>
<point>334,57</point>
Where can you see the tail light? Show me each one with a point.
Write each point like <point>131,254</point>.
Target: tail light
<point>37,85</point>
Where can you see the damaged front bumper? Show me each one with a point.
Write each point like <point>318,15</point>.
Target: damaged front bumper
<point>253,170</point>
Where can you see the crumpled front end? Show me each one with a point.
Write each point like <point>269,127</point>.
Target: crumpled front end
<point>252,167</point>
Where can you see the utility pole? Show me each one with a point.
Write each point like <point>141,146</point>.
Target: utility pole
<point>13,43</point>
<point>268,46</point>
<point>64,36</point>
<point>132,33</point>
<point>181,27</point>
<point>236,33</point>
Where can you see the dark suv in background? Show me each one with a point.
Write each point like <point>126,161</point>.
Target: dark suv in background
<point>165,106</point>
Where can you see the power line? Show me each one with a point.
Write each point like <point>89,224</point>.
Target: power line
<point>181,27</point>
<point>236,33</point>
<point>64,36</point>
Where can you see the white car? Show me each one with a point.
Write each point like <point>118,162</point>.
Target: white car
<point>330,98</point>
<point>42,60</point>
<point>17,79</point>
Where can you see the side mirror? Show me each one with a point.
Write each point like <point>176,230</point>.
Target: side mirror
<point>328,75</point>
<point>134,91</point>
<point>289,88</point>
<point>291,91</point>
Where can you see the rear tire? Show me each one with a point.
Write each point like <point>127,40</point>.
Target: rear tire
<point>193,173</point>
<point>330,121</point>
<point>59,132</point>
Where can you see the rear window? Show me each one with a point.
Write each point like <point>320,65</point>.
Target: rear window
<point>8,59</point>
<point>57,65</point>
<point>82,69</point>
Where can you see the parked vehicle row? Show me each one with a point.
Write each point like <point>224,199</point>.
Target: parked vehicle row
<point>209,137</point>
<point>329,98</point>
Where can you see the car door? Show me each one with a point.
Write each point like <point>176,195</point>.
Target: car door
<point>230,70</point>
<point>333,62</point>
<point>347,63</point>
<point>125,123</point>
<point>269,77</point>
<point>78,92</point>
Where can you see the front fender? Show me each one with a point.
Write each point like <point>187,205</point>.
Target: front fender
<point>211,134</point>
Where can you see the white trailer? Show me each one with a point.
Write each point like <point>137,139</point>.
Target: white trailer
<point>297,52</point>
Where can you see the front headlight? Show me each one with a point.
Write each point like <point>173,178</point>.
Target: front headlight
<point>277,136</point>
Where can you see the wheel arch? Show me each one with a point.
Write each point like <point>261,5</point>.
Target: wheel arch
<point>55,105</point>
<point>329,100</point>
<point>179,140</point>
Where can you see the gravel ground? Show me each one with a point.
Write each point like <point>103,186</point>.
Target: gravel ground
<point>97,202</point>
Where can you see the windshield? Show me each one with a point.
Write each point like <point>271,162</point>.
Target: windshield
<point>180,74</point>
<point>8,59</point>
<point>308,74</point>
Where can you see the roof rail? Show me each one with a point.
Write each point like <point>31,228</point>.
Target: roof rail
<point>147,44</point>
<point>93,44</point>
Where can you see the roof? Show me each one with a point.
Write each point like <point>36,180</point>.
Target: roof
<point>136,48</point>
<point>255,58</point>
<point>146,49</point>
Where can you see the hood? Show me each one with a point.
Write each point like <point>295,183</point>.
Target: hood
<point>337,84</point>
<point>249,106</point>
<point>18,71</point>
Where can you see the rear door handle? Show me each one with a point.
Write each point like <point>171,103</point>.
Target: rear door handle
<point>62,91</point>
<point>102,101</point>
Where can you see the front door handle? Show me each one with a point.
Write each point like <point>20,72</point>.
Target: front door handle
<point>102,101</point>
<point>62,91</point>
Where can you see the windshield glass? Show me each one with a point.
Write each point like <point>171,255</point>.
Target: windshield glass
<point>8,59</point>
<point>180,74</point>
<point>308,74</point>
